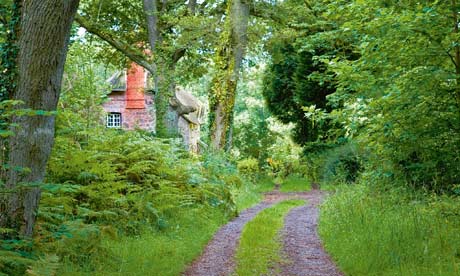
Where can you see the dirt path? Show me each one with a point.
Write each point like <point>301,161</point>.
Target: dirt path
<point>302,246</point>
<point>217,258</point>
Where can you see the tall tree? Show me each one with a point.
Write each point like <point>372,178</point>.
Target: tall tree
<point>228,59</point>
<point>43,37</point>
<point>289,86</point>
<point>400,102</point>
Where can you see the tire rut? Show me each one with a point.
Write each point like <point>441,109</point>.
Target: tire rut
<point>301,244</point>
<point>218,256</point>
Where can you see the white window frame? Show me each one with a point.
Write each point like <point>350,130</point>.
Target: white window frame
<point>114,120</point>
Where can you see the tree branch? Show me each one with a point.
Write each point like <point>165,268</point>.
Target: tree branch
<point>260,11</point>
<point>132,53</point>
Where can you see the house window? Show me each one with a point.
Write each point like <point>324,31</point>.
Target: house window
<point>114,120</point>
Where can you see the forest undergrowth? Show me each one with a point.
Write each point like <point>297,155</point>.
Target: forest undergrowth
<point>131,204</point>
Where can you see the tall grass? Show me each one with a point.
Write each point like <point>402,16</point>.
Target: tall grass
<point>259,247</point>
<point>392,233</point>
<point>169,251</point>
<point>164,253</point>
<point>295,183</point>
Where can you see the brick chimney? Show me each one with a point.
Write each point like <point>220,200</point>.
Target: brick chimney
<point>135,84</point>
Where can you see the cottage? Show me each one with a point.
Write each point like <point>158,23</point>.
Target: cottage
<point>131,105</point>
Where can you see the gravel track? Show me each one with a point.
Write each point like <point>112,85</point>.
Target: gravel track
<point>301,245</point>
<point>217,258</point>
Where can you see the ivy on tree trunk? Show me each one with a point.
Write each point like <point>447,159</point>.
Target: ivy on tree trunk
<point>228,61</point>
<point>43,37</point>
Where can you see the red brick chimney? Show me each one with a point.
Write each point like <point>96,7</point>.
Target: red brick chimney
<point>135,84</point>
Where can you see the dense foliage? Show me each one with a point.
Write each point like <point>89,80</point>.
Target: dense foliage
<point>290,87</point>
<point>395,103</point>
<point>404,108</point>
<point>9,20</point>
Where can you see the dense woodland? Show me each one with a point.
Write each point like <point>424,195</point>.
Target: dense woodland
<point>359,98</point>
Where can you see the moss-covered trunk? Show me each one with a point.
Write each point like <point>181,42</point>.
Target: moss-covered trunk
<point>228,59</point>
<point>165,121</point>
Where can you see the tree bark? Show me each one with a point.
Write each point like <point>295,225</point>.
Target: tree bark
<point>163,91</point>
<point>191,6</point>
<point>228,61</point>
<point>150,10</point>
<point>43,40</point>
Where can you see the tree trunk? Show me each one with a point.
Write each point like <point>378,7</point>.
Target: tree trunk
<point>166,118</point>
<point>228,63</point>
<point>43,40</point>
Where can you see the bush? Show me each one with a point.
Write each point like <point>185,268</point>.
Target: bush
<point>130,179</point>
<point>248,167</point>
<point>334,164</point>
<point>342,165</point>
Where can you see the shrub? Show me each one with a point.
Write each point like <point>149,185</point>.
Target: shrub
<point>334,164</point>
<point>248,167</point>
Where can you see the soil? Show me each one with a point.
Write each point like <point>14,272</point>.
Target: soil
<point>217,258</point>
<point>301,244</point>
<point>302,247</point>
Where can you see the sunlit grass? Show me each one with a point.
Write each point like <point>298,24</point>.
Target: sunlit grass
<point>157,253</point>
<point>260,247</point>
<point>392,233</point>
<point>294,183</point>
<point>251,194</point>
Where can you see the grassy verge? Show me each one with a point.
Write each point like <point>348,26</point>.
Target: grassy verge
<point>394,233</point>
<point>259,245</point>
<point>251,194</point>
<point>295,183</point>
<point>156,253</point>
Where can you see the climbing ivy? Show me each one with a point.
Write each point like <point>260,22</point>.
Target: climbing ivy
<point>223,85</point>
<point>9,23</point>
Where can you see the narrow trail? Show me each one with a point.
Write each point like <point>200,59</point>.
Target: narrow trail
<point>217,258</point>
<point>301,244</point>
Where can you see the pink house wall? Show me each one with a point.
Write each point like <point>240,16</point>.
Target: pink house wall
<point>135,106</point>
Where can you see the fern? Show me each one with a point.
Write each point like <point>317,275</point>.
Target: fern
<point>45,266</point>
